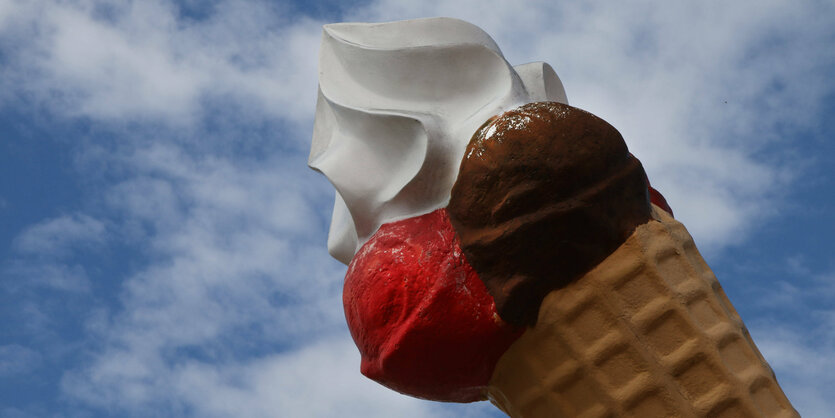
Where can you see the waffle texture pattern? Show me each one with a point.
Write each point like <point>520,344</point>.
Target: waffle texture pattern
<point>649,332</point>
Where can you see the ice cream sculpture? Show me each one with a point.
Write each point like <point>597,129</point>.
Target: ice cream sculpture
<point>504,245</point>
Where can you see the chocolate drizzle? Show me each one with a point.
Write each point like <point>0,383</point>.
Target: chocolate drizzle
<point>545,192</point>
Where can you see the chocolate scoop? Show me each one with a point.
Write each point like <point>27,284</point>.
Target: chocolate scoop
<point>545,192</point>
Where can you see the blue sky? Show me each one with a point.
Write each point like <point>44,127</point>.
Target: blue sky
<point>163,244</point>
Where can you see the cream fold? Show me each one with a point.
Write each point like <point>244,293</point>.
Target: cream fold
<point>398,103</point>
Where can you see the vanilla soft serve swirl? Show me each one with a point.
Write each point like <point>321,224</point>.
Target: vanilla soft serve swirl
<point>398,103</point>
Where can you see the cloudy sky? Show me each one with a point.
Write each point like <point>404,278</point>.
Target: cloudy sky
<point>162,242</point>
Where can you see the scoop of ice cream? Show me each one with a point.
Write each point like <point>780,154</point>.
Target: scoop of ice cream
<point>422,319</point>
<point>397,103</point>
<point>544,193</point>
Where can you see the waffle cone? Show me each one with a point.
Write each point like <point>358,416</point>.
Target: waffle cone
<point>649,332</point>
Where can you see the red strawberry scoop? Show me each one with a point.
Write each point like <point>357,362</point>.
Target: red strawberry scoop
<point>422,319</point>
<point>544,193</point>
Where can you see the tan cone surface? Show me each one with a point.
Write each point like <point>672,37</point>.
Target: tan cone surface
<point>648,333</point>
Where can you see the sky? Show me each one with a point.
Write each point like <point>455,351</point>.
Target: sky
<point>163,243</point>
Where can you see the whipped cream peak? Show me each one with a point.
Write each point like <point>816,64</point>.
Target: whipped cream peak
<point>398,103</point>
<point>432,32</point>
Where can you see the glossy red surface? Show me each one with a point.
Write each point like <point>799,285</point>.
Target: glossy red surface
<point>421,317</point>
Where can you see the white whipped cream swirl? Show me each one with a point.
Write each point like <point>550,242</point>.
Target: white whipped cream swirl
<point>398,103</point>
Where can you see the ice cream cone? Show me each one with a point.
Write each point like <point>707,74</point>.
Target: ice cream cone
<point>648,332</point>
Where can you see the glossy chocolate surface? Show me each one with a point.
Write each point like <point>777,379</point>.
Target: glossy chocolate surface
<point>544,193</point>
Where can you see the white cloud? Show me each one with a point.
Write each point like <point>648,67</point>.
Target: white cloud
<point>58,236</point>
<point>795,330</point>
<point>43,251</point>
<point>237,268</point>
<point>141,60</point>
<point>257,388</point>
<point>802,361</point>
<point>319,380</point>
